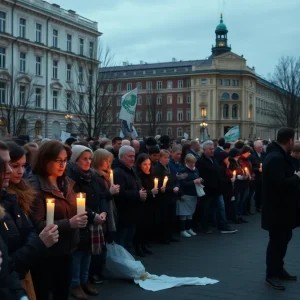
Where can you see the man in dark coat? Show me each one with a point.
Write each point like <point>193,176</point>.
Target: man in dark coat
<point>219,149</point>
<point>280,207</point>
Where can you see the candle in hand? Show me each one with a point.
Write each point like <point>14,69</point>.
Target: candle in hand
<point>246,171</point>
<point>111,177</point>
<point>155,183</point>
<point>234,174</point>
<point>165,181</point>
<point>80,203</point>
<point>50,202</point>
<point>260,165</point>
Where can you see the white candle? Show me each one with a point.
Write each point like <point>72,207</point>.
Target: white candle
<point>111,177</point>
<point>234,174</point>
<point>50,202</point>
<point>260,165</point>
<point>246,171</point>
<point>165,181</point>
<point>80,203</point>
<point>155,183</point>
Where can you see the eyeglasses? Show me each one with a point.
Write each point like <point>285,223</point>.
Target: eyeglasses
<point>61,162</point>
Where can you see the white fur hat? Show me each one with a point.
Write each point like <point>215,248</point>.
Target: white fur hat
<point>77,151</point>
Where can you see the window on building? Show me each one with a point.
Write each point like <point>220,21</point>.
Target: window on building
<point>139,85</point>
<point>220,82</point>
<point>38,65</point>
<point>69,42</point>
<point>179,132</point>
<point>91,49</point>
<point>119,87</point>
<point>109,117</point>
<point>2,57</point>
<point>55,69</point>
<point>119,100</point>
<point>149,85</point>
<point>81,102</point>
<point>139,131</point>
<point>179,99</point>
<point>80,74</point>
<point>225,111</point>
<point>22,28</point>
<point>225,96</point>
<point>235,96</point>
<point>22,62</point>
<point>158,85</point>
<point>69,72</point>
<point>179,115</point>
<point>235,83</point>
<point>55,38</point>
<point>170,84</point>
<point>203,81</point>
<point>180,84</point>
<point>129,86</point>
<point>55,100</point>
<point>159,100</point>
<point>158,116</point>
<point>38,97</point>
<point>148,99</point>
<point>169,115</point>
<point>227,82</point>
<point>169,99</point>
<point>188,83</point>
<point>234,112</point>
<point>22,95</point>
<point>139,100</point>
<point>158,131</point>
<point>69,101</point>
<point>110,88</point>
<point>38,33</point>
<point>81,46</point>
<point>188,99</point>
<point>2,92</point>
<point>169,132</point>
<point>90,77</point>
<point>138,116</point>
<point>188,115</point>
<point>2,21</point>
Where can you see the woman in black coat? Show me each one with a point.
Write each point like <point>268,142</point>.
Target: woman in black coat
<point>146,222</point>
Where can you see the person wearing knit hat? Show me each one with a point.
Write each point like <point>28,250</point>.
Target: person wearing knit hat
<point>77,150</point>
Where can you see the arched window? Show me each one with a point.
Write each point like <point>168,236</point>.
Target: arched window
<point>38,128</point>
<point>235,96</point>
<point>225,96</point>
<point>56,129</point>
<point>234,111</point>
<point>225,111</point>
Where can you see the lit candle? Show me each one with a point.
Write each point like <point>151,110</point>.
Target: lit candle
<point>234,174</point>
<point>260,165</point>
<point>50,202</point>
<point>80,203</point>
<point>165,181</point>
<point>111,177</point>
<point>246,171</point>
<point>155,183</point>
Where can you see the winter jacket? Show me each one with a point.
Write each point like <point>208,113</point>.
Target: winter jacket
<point>187,185</point>
<point>65,209</point>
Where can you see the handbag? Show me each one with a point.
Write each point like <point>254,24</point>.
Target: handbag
<point>28,286</point>
<point>200,190</point>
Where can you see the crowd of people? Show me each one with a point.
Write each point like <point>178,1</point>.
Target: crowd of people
<point>137,193</point>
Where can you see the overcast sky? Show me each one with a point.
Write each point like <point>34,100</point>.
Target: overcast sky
<point>157,30</point>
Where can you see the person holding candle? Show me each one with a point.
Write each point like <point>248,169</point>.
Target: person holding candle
<point>53,274</point>
<point>91,237</point>
<point>147,215</point>
<point>166,198</point>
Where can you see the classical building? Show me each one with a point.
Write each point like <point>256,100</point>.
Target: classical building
<point>203,98</point>
<point>44,51</point>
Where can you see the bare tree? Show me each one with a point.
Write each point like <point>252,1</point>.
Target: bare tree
<point>153,110</point>
<point>93,92</point>
<point>286,78</point>
<point>22,99</point>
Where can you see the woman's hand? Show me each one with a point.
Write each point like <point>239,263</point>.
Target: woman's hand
<point>197,181</point>
<point>176,189</point>
<point>163,189</point>
<point>101,218</point>
<point>114,189</point>
<point>49,236</point>
<point>79,221</point>
<point>154,191</point>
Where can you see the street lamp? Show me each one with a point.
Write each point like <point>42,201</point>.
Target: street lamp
<point>203,126</point>
<point>68,117</point>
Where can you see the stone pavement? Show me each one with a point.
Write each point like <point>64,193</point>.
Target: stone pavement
<point>236,260</point>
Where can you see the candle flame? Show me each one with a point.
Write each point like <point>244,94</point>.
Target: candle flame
<point>50,200</point>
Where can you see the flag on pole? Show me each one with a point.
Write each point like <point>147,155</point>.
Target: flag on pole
<point>127,112</point>
<point>233,134</point>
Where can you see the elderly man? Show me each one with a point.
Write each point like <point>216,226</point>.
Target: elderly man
<point>209,171</point>
<point>130,198</point>
<point>257,158</point>
<point>125,143</point>
<point>195,148</point>
<point>136,146</point>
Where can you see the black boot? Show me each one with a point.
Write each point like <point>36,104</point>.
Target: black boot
<point>138,250</point>
<point>182,225</point>
<point>189,224</point>
<point>145,249</point>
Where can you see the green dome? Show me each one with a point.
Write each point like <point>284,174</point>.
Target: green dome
<point>221,26</point>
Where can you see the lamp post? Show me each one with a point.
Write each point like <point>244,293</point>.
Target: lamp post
<point>203,126</point>
<point>69,120</point>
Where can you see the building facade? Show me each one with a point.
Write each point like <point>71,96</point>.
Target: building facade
<point>44,50</point>
<point>203,98</point>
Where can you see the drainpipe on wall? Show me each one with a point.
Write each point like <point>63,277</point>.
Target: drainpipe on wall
<point>47,77</point>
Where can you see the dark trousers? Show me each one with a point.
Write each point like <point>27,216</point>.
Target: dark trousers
<point>204,208</point>
<point>248,201</point>
<point>53,275</point>
<point>167,219</point>
<point>124,236</point>
<point>277,247</point>
<point>97,264</point>
<point>257,196</point>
